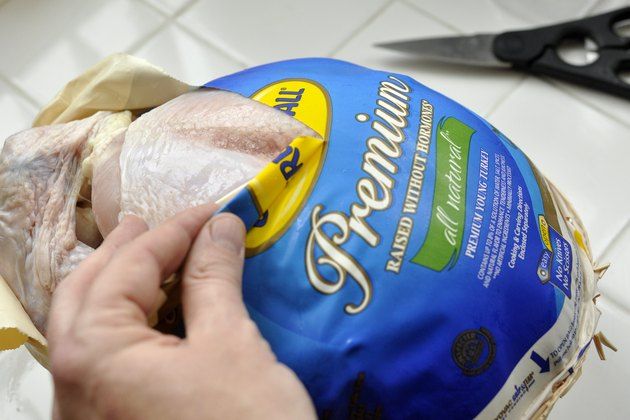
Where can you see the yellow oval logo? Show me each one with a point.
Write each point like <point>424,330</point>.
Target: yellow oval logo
<point>308,102</point>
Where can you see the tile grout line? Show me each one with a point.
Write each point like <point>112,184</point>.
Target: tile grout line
<point>626,226</point>
<point>613,241</point>
<point>617,304</point>
<point>168,18</point>
<point>505,96</point>
<point>533,23</point>
<point>145,39</point>
<point>173,19</point>
<point>432,16</point>
<point>360,28</point>
<point>225,52</point>
<point>584,100</point>
<point>175,13</point>
<point>593,6</point>
<point>154,8</point>
<point>17,89</point>
<point>494,107</point>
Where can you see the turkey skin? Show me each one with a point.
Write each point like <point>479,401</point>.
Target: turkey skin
<point>64,187</point>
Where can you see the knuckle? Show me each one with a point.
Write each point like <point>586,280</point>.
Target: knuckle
<point>118,250</point>
<point>217,293</point>
<point>67,363</point>
<point>249,338</point>
<point>249,329</point>
<point>177,234</point>
<point>134,220</point>
<point>217,265</point>
<point>199,270</point>
<point>106,248</point>
<point>133,257</point>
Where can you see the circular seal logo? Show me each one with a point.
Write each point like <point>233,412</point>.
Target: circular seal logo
<point>473,351</point>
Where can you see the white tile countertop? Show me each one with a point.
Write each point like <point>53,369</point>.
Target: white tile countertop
<point>579,138</point>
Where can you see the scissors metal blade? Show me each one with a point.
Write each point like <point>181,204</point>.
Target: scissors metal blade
<point>473,49</point>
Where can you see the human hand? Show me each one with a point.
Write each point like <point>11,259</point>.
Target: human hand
<point>107,362</point>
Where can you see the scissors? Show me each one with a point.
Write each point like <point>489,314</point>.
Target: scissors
<point>536,50</point>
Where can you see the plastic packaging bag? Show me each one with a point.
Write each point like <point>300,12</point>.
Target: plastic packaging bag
<point>414,263</point>
<point>420,265</point>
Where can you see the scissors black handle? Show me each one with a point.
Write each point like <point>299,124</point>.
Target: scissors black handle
<point>534,50</point>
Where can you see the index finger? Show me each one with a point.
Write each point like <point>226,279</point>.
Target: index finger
<point>130,283</point>
<point>69,295</point>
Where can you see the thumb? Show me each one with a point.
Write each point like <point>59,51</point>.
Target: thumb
<point>212,279</point>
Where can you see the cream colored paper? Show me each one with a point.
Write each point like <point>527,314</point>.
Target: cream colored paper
<point>119,82</point>
<point>16,327</point>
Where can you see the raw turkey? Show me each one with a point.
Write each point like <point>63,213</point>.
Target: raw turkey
<point>64,187</point>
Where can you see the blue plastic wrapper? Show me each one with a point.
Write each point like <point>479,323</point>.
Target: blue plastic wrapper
<point>415,264</point>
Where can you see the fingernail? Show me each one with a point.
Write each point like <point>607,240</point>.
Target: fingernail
<point>227,232</point>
